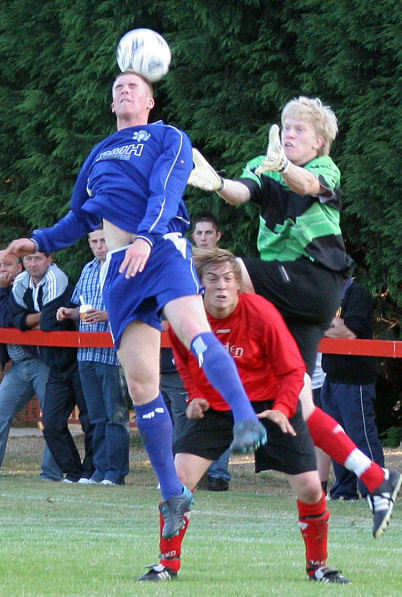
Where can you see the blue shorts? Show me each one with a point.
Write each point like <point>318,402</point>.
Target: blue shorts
<point>169,274</point>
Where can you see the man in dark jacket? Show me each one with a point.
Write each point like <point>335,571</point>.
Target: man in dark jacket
<point>348,393</point>
<point>36,295</point>
<point>26,373</point>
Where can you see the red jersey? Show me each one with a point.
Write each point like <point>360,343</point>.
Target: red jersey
<point>267,357</point>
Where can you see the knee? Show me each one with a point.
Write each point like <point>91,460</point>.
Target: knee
<point>141,391</point>
<point>120,415</point>
<point>185,474</point>
<point>310,492</point>
<point>52,423</point>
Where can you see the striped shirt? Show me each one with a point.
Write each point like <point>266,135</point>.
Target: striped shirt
<point>89,288</point>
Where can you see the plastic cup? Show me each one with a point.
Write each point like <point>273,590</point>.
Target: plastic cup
<point>84,310</point>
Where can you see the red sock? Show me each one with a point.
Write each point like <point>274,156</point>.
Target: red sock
<point>328,435</point>
<point>171,548</point>
<point>313,523</point>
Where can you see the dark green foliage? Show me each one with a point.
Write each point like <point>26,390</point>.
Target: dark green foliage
<point>392,437</point>
<point>234,65</point>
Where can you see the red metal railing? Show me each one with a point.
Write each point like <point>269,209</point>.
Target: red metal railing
<point>31,413</point>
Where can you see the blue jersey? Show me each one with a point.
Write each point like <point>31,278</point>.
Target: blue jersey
<point>135,178</point>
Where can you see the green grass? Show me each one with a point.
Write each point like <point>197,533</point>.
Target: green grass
<point>88,541</point>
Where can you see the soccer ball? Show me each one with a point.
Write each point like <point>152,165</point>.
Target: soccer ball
<point>146,52</point>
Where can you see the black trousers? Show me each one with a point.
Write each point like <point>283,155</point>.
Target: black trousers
<point>63,392</point>
<point>306,294</point>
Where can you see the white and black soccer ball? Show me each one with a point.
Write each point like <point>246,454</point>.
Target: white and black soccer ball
<point>146,52</point>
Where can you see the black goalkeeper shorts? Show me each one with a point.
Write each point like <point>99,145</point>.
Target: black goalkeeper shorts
<point>306,294</point>
<point>210,436</point>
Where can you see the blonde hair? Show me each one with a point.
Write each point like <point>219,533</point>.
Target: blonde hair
<point>130,71</point>
<point>204,258</point>
<point>321,117</point>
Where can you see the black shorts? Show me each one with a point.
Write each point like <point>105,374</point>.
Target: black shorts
<point>306,294</point>
<point>210,436</point>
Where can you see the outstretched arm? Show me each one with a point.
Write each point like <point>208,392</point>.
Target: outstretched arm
<point>205,177</point>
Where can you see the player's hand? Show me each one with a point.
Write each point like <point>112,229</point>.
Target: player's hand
<point>196,408</point>
<point>275,160</point>
<point>277,416</point>
<point>20,247</point>
<point>136,258</point>
<point>203,176</point>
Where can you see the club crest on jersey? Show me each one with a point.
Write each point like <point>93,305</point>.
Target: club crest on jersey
<point>141,135</point>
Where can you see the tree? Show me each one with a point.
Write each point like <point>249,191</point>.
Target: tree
<point>234,66</point>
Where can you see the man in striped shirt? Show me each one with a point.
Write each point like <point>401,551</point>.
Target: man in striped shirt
<point>100,376</point>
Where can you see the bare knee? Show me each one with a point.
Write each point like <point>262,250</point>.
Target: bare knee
<point>190,468</point>
<point>142,391</point>
<point>307,487</point>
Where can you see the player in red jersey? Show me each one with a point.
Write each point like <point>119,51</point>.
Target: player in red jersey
<point>272,371</point>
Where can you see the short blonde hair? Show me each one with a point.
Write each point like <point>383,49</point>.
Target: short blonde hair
<point>204,258</point>
<point>321,117</point>
<point>130,71</point>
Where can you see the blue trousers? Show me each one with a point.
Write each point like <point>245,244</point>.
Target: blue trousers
<point>21,382</point>
<point>108,413</point>
<point>353,406</point>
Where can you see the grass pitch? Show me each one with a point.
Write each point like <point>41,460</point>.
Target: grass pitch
<point>80,540</point>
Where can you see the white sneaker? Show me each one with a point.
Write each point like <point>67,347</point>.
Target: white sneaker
<point>107,482</point>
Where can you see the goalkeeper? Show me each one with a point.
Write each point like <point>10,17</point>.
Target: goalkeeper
<point>303,264</point>
<point>303,261</point>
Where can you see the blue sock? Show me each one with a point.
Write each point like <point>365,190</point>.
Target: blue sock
<point>222,374</point>
<point>155,427</point>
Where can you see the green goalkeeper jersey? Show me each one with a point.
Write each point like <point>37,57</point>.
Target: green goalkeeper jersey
<point>293,226</point>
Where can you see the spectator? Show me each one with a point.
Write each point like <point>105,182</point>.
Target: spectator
<point>100,375</point>
<point>27,375</point>
<point>206,235</point>
<point>348,393</point>
<point>36,295</point>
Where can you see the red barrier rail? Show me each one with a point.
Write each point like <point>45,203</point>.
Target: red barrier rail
<point>31,413</point>
<point>378,348</point>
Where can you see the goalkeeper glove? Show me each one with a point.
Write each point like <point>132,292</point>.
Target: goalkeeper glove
<point>275,160</point>
<point>203,176</point>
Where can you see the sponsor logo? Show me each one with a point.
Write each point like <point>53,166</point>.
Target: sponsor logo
<point>122,153</point>
<point>153,413</point>
<point>236,351</point>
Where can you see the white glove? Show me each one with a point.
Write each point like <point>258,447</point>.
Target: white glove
<point>275,160</point>
<point>203,176</point>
